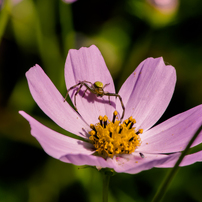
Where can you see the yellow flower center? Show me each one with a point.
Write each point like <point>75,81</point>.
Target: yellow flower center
<point>111,138</point>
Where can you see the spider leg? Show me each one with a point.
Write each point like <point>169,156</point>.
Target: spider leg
<point>76,95</point>
<point>84,92</point>
<point>87,82</point>
<point>71,89</point>
<point>90,88</point>
<point>107,92</point>
<point>121,101</point>
<point>105,85</point>
<point>123,107</point>
<point>81,83</point>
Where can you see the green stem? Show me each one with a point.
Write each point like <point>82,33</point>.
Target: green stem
<point>160,193</point>
<point>106,179</point>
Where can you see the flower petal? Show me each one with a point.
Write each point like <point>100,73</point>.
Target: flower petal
<point>135,163</point>
<point>174,134</point>
<point>87,64</point>
<point>83,159</point>
<point>54,143</point>
<point>187,160</point>
<point>52,103</point>
<point>147,91</point>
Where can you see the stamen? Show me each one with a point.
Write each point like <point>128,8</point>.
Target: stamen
<point>105,121</point>
<point>96,136</point>
<point>126,122</point>
<point>121,128</point>
<point>92,127</point>
<point>133,121</point>
<point>111,138</point>
<point>100,118</point>
<point>114,116</point>
<point>140,131</point>
<point>110,134</point>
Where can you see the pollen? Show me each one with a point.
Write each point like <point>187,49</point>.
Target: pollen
<point>111,138</point>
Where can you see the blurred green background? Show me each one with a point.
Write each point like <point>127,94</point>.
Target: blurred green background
<point>126,32</point>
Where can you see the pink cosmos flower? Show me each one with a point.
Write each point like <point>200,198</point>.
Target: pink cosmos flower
<point>130,146</point>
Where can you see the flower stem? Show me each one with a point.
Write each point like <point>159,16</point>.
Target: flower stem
<point>160,193</point>
<point>105,187</point>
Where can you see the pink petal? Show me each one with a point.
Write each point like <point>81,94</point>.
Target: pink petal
<point>134,163</point>
<point>174,134</point>
<point>187,160</point>
<point>87,64</point>
<point>147,91</point>
<point>54,143</point>
<point>83,159</point>
<point>52,103</point>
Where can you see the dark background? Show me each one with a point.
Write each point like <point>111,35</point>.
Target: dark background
<point>126,32</point>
